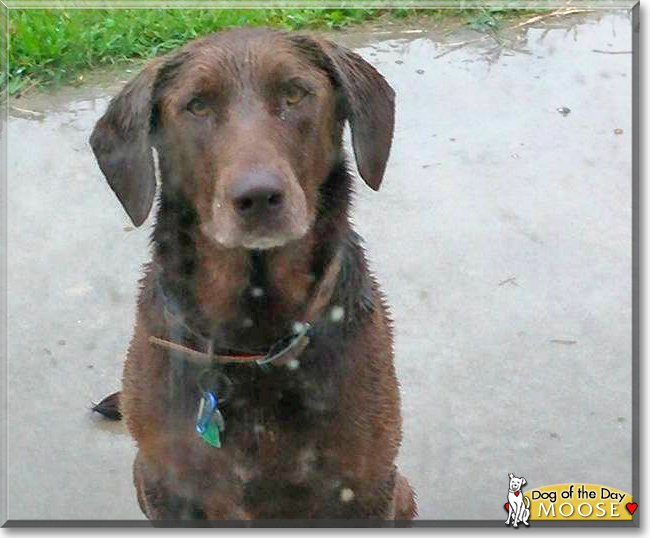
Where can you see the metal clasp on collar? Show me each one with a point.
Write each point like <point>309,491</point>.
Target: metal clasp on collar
<point>298,340</point>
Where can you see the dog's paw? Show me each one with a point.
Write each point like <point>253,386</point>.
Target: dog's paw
<point>109,407</point>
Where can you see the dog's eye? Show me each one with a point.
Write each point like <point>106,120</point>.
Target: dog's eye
<point>198,107</point>
<point>293,94</point>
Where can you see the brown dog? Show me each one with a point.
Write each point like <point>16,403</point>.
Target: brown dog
<point>259,382</point>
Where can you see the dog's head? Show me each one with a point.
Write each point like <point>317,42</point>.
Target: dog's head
<point>516,483</point>
<point>247,125</point>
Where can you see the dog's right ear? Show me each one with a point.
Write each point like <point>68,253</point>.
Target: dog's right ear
<point>120,142</point>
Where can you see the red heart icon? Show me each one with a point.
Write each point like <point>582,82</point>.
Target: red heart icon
<point>631,507</point>
<point>516,494</point>
<point>507,507</point>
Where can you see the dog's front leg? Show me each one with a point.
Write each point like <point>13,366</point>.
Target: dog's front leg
<point>163,499</point>
<point>157,499</point>
<point>517,515</point>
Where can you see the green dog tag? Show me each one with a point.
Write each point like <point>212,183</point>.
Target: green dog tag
<point>211,435</point>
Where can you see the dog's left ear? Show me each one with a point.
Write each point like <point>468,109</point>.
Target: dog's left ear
<point>511,476</point>
<point>523,481</point>
<point>369,103</point>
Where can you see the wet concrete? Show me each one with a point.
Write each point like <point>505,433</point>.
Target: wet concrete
<point>502,237</point>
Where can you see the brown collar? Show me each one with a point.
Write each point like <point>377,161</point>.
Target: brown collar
<point>282,351</point>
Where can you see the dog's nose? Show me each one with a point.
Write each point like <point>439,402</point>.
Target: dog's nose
<point>257,195</point>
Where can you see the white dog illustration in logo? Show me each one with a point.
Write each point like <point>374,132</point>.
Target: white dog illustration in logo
<point>518,506</point>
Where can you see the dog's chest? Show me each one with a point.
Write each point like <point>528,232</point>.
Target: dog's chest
<point>277,453</point>
<point>515,498</point>
<point>268,415</point>
<point>276,438</point>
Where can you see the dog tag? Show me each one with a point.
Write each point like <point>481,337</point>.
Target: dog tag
<point>211,435</point>
<point>209,420</point>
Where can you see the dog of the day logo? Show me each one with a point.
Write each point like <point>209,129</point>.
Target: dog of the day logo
<point>518,506</point>
<point>566,502</point>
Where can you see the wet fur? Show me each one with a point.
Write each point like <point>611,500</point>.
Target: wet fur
<point>296,440</point>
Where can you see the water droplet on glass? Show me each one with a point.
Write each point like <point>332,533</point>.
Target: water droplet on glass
<point>346,495</point>
<point>293,364</point>
<point>337,314</point>
<point>298,327</point>
<point>257,292</point>
<point>515,155</point>
<point>247,323</point>
<point>420,71</point>
<point>565,111</point>
<point>618,131</point>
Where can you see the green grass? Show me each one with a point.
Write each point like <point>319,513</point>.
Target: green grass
<point>55,46</point>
